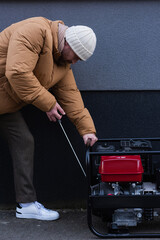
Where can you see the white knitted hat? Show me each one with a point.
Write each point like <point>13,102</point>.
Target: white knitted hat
<point>82,40</point>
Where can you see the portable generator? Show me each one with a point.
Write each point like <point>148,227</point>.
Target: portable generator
<point>123,177</point>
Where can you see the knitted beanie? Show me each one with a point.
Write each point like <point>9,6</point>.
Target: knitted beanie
<point>82,40</point>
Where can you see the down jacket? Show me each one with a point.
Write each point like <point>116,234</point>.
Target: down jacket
<point>28,54</point>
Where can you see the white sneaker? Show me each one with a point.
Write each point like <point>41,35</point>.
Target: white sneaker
<point>36,211</point>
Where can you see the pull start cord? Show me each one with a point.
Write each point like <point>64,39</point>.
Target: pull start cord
<point>60,123</point>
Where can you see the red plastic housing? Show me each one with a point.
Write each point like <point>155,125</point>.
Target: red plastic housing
<point>121,168</point>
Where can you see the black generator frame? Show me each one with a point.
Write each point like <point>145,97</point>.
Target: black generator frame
<point>118,201</point>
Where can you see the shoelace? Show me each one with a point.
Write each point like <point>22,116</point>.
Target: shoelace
<point>39,206</point>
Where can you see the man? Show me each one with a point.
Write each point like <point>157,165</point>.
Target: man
<point>35,56</point>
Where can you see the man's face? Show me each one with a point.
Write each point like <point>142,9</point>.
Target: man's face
<point>68,55</point>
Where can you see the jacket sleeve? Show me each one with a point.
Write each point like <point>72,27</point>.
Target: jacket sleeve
<point>23,50</point>
<point>69,97</point>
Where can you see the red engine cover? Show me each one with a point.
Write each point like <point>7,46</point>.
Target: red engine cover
<point>121,168</point>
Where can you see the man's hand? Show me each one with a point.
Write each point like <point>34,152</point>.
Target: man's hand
<point>55,113</point>
<point>90,139</point>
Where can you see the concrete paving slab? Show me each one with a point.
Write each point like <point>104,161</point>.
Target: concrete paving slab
<point>71,226</point>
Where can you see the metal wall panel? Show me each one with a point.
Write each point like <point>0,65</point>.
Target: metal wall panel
<point>127,56</point>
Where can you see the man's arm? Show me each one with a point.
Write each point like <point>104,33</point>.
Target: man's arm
<point>69,98</point>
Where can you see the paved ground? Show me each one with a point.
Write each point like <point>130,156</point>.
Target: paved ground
<point>71,226</point>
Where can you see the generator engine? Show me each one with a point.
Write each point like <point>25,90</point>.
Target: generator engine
<point>126,175</point>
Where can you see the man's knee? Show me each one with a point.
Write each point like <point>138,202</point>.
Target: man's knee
<point>28,139</point>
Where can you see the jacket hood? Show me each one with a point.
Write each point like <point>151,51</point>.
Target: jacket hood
<point>54,29</point>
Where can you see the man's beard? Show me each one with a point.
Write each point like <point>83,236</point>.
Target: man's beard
<point>61,62</point>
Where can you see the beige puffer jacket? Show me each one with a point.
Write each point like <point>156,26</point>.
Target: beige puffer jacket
<point>28,50</point>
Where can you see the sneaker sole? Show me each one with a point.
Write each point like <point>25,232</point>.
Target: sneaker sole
<point>32,216</point>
